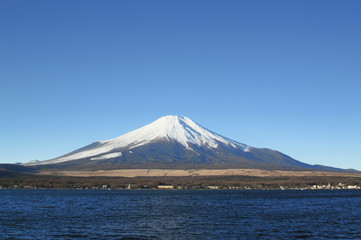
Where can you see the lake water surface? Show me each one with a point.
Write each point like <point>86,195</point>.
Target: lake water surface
<point>167,214</point>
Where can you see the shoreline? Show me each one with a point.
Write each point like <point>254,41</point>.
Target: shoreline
<point>212,179</point>
<point>200,189</point>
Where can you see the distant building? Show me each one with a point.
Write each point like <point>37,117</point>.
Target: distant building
<point>133,186</point>
<point>165,186</point>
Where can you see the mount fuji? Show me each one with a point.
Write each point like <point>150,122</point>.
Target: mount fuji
<point>172,142</point>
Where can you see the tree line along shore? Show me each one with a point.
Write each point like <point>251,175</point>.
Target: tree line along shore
<point>34,181</point>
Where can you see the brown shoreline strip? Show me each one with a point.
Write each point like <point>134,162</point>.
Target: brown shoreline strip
<point>195,172</point>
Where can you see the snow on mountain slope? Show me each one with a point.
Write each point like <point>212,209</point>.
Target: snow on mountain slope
<point>108,156</point>
<point>169,128</point>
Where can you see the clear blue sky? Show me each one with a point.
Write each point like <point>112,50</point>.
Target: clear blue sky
<point>285,75</point>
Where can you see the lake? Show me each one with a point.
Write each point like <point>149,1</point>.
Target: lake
<point>177,214</point>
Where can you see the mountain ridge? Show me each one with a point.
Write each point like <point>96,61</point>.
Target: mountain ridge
<point>173,142</point>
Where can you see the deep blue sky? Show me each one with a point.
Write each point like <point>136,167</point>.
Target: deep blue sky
<point>284,75</point>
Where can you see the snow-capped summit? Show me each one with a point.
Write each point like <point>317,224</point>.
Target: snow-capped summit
<point>168,128</point>
<point>173,128</point>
